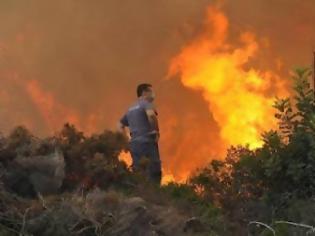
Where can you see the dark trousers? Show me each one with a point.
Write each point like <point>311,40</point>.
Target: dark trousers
<point>147,151</point>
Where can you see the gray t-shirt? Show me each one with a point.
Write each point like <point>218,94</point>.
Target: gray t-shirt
<point>137,121</point>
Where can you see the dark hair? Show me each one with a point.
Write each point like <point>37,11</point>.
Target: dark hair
<point>141,88</point>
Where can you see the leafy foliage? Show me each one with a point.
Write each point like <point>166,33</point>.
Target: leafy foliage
<point>91,161</point>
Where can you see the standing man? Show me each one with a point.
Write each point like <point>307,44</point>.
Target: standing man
<point>141,119</point>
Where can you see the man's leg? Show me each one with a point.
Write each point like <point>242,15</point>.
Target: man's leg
<point>136,154</point>
<point>148,150</point>
<point>155,171</point>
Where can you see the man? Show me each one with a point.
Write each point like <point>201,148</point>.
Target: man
<point>141,119</point>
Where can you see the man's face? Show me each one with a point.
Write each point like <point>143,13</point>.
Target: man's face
<point>149,94</point>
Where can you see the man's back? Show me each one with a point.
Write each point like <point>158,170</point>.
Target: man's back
<point>137,121</point>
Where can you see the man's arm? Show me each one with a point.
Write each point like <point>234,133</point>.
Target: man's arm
<point>122,125</point>
<point>153,120</point>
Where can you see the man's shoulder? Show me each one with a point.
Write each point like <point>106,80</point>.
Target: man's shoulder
<point>141,105</point>
<point>146,104</point>
<point>134,106</point>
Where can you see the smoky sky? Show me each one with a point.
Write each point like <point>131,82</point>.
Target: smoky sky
<point>88,56</point>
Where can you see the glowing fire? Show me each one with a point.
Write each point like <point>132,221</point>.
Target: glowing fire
<point>239,99</point>
<point>53,113</point>
<point>125,157</point>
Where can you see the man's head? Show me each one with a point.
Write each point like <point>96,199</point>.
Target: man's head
<point>145,91</point>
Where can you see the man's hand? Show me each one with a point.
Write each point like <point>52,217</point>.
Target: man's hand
<point>152,117</point>
<point>156,135</point>
<point>123,129</point>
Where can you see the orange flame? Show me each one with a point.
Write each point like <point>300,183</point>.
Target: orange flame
<point>53,113</point>
<point>125,157</point>
<point>239,99</point>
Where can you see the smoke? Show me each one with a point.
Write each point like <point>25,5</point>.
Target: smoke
<point>80,61</point>
<point>285,27</point>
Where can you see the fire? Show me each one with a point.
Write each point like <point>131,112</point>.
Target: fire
<point>240,99</point>
<point>239,95</point>
<point>125,157</point>
<point>53,113</point>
